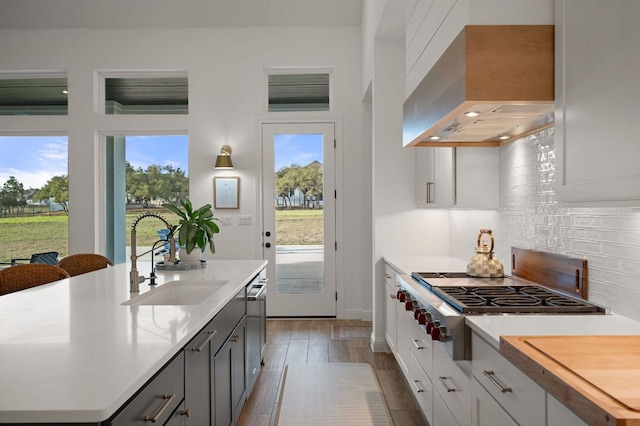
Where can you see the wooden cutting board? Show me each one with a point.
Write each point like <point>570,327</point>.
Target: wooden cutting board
<point>597,377</point>
<point>611,363</point>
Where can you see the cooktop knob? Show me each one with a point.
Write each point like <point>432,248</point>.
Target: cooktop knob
<point>431,325</point>
<point>408,305</point>
<point>435,333</point>
<point>422,318</point>
<point>417,312</point>
<point>401,295</point>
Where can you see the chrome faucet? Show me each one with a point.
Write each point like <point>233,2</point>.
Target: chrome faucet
<point>134,277</point>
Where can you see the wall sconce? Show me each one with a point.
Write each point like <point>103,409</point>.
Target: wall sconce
<point>224,159</point>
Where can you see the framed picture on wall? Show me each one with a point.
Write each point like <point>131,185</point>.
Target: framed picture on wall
<point>226,192</point>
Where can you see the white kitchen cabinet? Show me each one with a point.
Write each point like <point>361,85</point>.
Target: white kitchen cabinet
<point>435,177</point>
<point>457,177</point>
<point>477,178</point>
<point>441,414</point>
<point>405,323</point>
<point>453,385</point>
<point>422,388</point>
<point>485,411</point>
<point>596,92</point>
<point>391,306</point>
<point>511,389</point>
<point>558,414</point>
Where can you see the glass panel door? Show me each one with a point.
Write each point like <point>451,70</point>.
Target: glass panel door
<point>299,218</point>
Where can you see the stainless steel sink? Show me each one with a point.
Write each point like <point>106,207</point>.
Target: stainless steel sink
<point>178,293</point>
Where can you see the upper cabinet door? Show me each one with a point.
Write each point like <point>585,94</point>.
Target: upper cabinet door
<point>597,91</point>
<point>435,177</point>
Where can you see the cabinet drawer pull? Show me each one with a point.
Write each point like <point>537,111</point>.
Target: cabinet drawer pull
<point>491,376</point>
<point>415,386</point>
<point>387,276</point>
<point>234,338</point>
<point>417,344</point>
<point>168,399</point>
<point>393,296</point>
<point>185,413</point>
<point>444,383</point>
<point>206,339</point>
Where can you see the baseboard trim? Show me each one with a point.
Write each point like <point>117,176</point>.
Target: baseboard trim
<point>358,315</point>
<point>379,345</point>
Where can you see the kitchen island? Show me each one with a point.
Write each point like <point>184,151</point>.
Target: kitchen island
<point>77,350</point>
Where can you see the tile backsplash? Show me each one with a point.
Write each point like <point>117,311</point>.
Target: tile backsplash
<point>530,217</point>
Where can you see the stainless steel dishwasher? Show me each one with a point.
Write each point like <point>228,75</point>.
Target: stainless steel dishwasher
<point>256,327</point>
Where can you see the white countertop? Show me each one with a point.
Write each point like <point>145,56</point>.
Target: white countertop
<point>409,264</point>
<point>491,327</point>
<point>71,352</point>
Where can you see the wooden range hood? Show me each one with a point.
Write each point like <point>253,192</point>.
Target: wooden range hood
<point>504,73</point>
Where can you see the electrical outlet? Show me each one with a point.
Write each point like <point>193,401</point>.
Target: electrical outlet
<point>244,220</point>
<point>225,220</point>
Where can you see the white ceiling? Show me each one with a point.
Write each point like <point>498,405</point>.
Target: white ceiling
<point>32,14</point>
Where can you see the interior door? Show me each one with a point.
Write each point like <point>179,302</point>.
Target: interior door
<point>299,219</point>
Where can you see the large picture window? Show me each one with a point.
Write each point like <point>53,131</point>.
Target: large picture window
<point>34,196</point>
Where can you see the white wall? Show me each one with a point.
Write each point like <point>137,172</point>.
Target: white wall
<point>530,217</point>
<point>226,96</point>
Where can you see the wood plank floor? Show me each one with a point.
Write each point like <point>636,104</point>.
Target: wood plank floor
<point>309,341</point>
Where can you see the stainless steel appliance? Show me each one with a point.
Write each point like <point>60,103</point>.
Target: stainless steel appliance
<point>441,300</point>
<point>256,328</point>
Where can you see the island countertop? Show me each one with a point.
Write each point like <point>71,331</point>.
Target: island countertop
<point>70,351</point>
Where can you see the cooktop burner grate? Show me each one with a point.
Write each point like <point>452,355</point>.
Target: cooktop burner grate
<point>511,299</point>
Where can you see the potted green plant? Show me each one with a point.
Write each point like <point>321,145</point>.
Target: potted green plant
<point>195,229</point>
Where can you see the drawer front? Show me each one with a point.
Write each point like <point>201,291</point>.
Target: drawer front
<point>421,388</point>
<point>421,347</point>
<point>441,414</point>
<point>453,385</point>
<point>389,275</point>
<point>227,319</point>
<point>159,398</point>
<point>518,394</point>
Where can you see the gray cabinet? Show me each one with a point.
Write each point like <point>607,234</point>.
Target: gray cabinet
<point>197,373</point>
<point>157,400</point>
<point>229,377</point>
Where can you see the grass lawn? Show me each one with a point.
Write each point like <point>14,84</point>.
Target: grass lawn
<point>299,227</point>
<point>22,236</point>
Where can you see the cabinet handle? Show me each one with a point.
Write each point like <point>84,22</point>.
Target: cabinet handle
<point>185,413</point>
<point>417,344</point>
<point>206,339</point>
<point>169,399</point>
<point>429,191</point>
<point>491,376</point>
<point>234,338</point>
<point>444,383</point>
<point>415,386</point>
<point>387,276</point>
<point>393,296</point>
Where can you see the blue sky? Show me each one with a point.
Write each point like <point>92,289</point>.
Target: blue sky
<point>33,160</point>
<point>297,149</point>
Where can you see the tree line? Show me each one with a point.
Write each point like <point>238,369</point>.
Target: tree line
<point>162,183</point>
<point>307,180</point>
